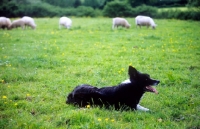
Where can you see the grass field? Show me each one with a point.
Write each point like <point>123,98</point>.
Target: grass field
<point>38,68</point>
<point>174,8</point>
<point>178,8</point>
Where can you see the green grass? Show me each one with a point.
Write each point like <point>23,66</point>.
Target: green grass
<point>178,8</point>
<point>38,68</point>
<point>174,8</point>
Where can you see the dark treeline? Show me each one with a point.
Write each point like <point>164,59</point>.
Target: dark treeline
<point>94,8</point>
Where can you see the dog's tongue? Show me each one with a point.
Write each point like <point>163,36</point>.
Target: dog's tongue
<point>152,89</point>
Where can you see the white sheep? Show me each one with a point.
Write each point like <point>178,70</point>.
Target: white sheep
<point>145,21</point>
<point>5,22</point>
<point>17,23</point>
<point>66,22</point>
<point>120,22</point>
<point>28,21</point>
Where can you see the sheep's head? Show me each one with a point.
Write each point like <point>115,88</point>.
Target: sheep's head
<point>154,26</point>
<point>128,26</point>
<point>9,27</point>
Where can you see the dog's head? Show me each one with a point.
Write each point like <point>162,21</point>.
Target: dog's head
<point>143,80</point>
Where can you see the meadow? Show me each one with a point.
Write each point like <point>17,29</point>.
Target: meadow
<point>176,8</point>
<point>38,68</point>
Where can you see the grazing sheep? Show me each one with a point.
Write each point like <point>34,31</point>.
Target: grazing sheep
<point>66,22</point>
<point>28,21</point>
<point>145,21</point>
<point>120,22</point>
<point>5,22</point>
<point>17,23</point>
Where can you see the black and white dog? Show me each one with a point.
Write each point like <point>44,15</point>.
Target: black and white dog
<point>138,107</point>
<point>124,96</point>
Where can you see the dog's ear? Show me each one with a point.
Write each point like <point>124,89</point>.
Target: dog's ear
<point>132,72</point>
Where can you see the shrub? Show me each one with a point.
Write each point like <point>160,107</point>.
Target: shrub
<point>117,9</point>
<point>42,9</point>
<point>145,10</point>
<point>178,14</point>
<point>66,12</point>
<point>112,9</point>
<point>6,9</point>
<point>86,11</point>
<point>193,3</point>
<point>193,14</point>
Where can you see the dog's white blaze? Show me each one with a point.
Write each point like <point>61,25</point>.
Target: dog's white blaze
<point>126,81</point>
<point>141,108</point>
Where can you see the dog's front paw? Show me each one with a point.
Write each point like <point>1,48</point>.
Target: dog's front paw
<point>141,108</point>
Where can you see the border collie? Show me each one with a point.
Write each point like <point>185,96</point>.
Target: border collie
<point>124,96</point>
<point>139,107</point>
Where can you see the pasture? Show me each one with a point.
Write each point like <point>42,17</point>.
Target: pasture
<point>178,8</point>
<point>175,8</point>
<point>38,68</point>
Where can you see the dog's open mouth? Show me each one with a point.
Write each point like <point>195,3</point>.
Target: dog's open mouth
<point>151,89</point>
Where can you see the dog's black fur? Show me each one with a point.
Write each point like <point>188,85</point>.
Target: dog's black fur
<point>124,95</point>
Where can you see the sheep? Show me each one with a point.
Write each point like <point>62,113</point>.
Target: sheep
<point>17,23</point>
<point>120,22</point>
<point>145,21</point>
<point>5,22</point>
<point>28,21</point>
<point>66,22</point>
